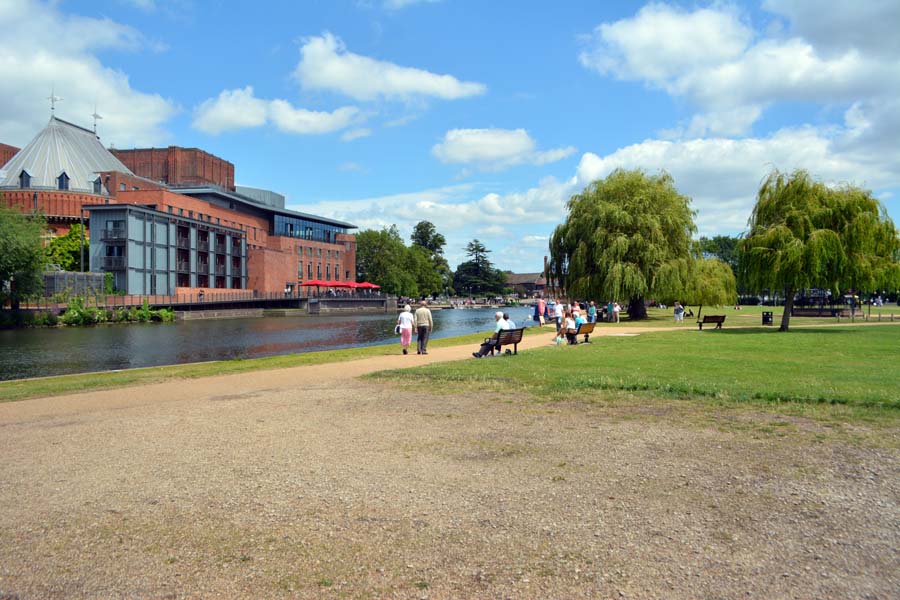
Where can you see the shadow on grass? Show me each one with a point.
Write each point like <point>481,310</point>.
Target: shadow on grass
<point>774,330</point>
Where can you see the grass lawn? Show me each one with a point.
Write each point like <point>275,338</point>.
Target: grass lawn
<point>852,366</point>
<point>749,316</point>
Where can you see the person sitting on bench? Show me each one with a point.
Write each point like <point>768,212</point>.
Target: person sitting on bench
<point>491,342</point>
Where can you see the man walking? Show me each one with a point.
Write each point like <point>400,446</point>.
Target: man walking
<point>424,325</point>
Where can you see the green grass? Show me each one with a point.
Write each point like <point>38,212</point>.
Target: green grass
<point>68,384</point>
<point>853,366</point>
<point>748,316</point>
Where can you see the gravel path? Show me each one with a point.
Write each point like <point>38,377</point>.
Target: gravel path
<point>310,483</point>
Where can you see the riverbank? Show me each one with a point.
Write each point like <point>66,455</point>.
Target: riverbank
<point>308,481</point>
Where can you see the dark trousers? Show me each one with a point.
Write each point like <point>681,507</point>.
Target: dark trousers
<point>422,332</point>
<point>487,346</point>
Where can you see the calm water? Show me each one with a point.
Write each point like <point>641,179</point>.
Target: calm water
<point>42,352</point>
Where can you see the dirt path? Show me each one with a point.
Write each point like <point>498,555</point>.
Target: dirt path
<point>309,483</point>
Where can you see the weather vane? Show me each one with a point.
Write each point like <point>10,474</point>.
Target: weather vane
<point>53,98</point>
<point>96,117</point>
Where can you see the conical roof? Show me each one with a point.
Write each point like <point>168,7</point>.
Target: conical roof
<point>61,147</point>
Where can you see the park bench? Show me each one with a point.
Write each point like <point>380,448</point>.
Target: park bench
<point>820,312</point>
<point>507,337</point>
<point>707,319</point>
<point>587,329</point>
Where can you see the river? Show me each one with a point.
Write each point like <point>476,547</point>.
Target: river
<point>63,350</point>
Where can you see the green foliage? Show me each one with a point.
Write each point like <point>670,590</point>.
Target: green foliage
<point>626,236</point>
<point>22,258</point>
<point>79,314</point>
<point>711,283</point>
<point>478,275</point>
<point>383,258</point>
<point>65,250</point>
<point>109,283</point>
<point>723,247</point>
<point>805,234</point>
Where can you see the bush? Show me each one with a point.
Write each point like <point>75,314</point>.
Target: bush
<point>108,283</point>
<point>79,314</point>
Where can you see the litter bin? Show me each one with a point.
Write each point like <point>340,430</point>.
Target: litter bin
<point>767,317</point>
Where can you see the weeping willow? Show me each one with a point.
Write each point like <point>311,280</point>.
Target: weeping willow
<point>805,234</point>
<point>625,238</point>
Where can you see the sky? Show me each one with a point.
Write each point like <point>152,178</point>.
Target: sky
<point>481,117</point>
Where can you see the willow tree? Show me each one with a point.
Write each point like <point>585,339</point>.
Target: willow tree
<point>804,234</point>
<point>712,282</point>
<point>625,237</point>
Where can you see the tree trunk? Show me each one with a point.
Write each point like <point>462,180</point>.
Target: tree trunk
<point>788,307</point>
<point>636,309</point>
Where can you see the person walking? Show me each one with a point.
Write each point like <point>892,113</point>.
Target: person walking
<point>405,322</point>
<point>592,312</point>
<point>558,314</point>
<point>616,310</point>
<point>424,325</point>
<point>679,312</point>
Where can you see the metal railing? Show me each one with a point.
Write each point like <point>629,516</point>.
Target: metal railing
<point>220,269</point>
<point>113,262</point>
<point>203,246</point>
<point>220,248</point>
<point>183,266</point>
<point>113,235</point>
<point>183,242</point>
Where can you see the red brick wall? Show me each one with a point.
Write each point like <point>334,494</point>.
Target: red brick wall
<point>6,153</point>
<point>178,166</point>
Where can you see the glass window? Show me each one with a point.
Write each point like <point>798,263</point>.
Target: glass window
<point>62,182</point>
<point>24,179</point>
<point>121,187</point>
<point>98,186</point>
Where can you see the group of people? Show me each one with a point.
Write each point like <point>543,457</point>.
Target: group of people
<point>420,320</point>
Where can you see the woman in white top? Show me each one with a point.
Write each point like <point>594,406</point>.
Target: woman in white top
<point>405,321</point>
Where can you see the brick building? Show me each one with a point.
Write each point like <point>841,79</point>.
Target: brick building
<point>176,166</point>
<point>6,153</point>
<point>175,224</point>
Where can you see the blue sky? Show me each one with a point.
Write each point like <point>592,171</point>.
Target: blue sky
<point>482,117</point>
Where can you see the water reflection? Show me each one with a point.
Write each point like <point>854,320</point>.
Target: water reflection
<point>42,352</point>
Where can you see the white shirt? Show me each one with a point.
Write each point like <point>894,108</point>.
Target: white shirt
<point>406,320</point>
<point>558,311</point>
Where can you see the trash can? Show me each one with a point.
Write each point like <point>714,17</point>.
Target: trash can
<point>767,317</point>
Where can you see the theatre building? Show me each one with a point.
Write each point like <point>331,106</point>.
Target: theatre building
<point>171,221</point>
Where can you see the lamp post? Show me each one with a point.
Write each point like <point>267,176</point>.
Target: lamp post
<point>82,240</point>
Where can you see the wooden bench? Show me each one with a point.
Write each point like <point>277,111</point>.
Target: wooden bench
<point>587,329</point>
<point>707,319</point>
<point>507,337</point>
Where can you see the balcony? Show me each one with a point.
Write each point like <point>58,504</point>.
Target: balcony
<point>183,266</point>
<point>203,268</point>
<point>220,269</point>
<point>111,263</point>
<point>203,246</point>
<point>220,248</point>
<point>114,235</point>
<point>183,242</point>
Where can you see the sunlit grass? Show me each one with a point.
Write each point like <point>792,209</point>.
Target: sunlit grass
<point>849,366</point>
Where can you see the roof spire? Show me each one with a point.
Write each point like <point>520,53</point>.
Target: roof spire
<point>96,117</point>
<point>53,98</point>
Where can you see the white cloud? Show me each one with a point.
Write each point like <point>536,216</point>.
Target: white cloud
<point>493,149</point>
<point>355,134</point>
<point>326,64</point>
<point>240,108</point>
<point>730,73</point>
<point>351,167</point>
<point>41,46</point>
<point>302,121</point>
<point>723,175</point>
<point>232,109</point>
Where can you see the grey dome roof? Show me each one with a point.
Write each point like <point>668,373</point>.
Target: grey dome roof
<point>61,147</point>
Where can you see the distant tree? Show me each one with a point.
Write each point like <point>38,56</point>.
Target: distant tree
<point>723,247</point>
<point>625,237</point>
<point>711,282</point>
<point>804,234</point>
<point>22,258</point>
<point>65,250</point>
<point>381,258</point>
<point>478,275</point>
<point>425,235</point>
